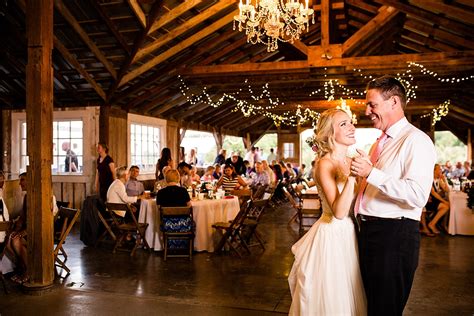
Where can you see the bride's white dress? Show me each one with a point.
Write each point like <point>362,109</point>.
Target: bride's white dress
<point>325,278</point>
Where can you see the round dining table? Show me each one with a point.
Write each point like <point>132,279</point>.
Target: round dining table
<point>205,213</point>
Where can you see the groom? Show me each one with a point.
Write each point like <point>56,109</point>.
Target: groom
<point>395,186</point>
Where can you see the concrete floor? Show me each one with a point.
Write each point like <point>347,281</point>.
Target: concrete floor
<point>102,283</point>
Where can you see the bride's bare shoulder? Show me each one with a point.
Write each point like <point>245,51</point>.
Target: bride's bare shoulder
<point>324,164</point>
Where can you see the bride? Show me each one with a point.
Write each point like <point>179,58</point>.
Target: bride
<point>325,278</point>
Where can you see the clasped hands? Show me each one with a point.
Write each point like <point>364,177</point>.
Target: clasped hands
<point>361,165</point>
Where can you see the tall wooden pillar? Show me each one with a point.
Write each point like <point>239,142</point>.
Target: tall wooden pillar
<point>39,120</point>
<point>6,141</point>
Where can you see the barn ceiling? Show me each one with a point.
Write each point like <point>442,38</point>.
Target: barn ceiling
<point>141,55</point>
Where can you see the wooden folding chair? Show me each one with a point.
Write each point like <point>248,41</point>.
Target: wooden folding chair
<point>259,191</point>
<point>296,206</point>
<point>4,227</point>
<point>250,223</point>
<point>231,231</point>
<point>65,220</point>
<point>309,212</point>
<point>177,224</point>
<point>243,194</point>
<point>124,228</point>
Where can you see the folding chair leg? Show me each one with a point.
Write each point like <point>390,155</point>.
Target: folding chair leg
<point>293,218</point>
<point>4,284</point>
<point>165,240</point>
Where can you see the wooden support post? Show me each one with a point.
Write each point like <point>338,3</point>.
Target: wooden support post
<point>39,120</point>
<point>104,118</point>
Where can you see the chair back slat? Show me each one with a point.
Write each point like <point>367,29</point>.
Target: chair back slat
<point>176,211</point>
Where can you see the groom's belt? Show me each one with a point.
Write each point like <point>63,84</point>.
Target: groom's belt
<point>367,218</point>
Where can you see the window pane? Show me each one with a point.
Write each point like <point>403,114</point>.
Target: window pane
<point>76,129</point>
<point>64,129</point>
<point>55,129</point>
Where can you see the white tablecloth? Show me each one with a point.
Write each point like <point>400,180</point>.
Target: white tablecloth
<point>205,212</point>
<point>461,219</point>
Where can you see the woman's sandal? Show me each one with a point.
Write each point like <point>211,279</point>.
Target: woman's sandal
<point>434,231</point>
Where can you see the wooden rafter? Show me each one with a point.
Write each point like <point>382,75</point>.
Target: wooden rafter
<point>368,31</point>
<point>446,9</point>
<point>221,5</point>
<point>393,62</point>
<point>179,47</point>
<point>325,11</point>
<point>73,61</point>
<point>173,14</point>
<point>137,10</point>
<point>450,25</point>
<point>111,25</point>
<point>61,7</point>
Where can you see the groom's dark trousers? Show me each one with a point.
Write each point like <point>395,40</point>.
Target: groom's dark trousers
<point>388,253</point>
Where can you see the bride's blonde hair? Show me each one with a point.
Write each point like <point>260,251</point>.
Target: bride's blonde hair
<point>324,137</point>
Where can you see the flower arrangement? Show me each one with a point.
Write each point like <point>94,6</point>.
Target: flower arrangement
<point>311,141</point>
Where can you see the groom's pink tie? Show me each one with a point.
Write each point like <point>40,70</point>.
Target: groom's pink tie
<point>374,156</point>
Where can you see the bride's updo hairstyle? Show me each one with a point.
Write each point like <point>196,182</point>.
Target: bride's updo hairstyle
<point>325,132</point>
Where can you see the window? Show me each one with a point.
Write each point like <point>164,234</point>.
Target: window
<point>145,146</point>
<point>288,150</point>
<point>67,146</point>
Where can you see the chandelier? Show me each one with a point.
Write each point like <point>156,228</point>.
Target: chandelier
<point>277,20</point>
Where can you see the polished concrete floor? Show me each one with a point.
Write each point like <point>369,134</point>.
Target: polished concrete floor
<point>102,283</point>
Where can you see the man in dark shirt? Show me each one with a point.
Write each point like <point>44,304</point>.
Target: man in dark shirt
<point>70,163</point>
<point>238,163</point>
<point>220,159</point>
<point>173,194</point>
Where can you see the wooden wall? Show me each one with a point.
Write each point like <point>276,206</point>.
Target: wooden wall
<point>289,138</point>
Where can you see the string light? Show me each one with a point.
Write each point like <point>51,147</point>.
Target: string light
<point>332,90</point>
<point>433,74</point>
<point>439,112</point>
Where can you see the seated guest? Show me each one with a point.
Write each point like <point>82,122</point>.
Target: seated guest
<point>133,186</point>
<point>15,247</point>
<point>118,194</point>
<point>248,168</point>
<point>4,214</point>
<point>437,203</point>
<point>208,175</point>
<point>259,177</point>
<point>269,171</point>
<point>459,171</point>
<point>160,184</point>
<point>173,194</point>
<point>194,176</point>
<point>184,170</point>
<point>217,174</point>
<point>467,169</point>
<point>231,180</point>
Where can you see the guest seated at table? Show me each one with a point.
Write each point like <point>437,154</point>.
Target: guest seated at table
<point>231,180</point>
<point>438,202</point>
<point>467,169</point>
<point>173,194</point>
<point>208,175</point>
<point>184,170</point>
<point>118,194</point>
<point>269,171</point>
<point>160,184</point>
<point>195,179</point>
<point>458,171</point>
<point>259,177</point>
<point>217,174</point>
<point>220,159</point>
<point>133,186</point>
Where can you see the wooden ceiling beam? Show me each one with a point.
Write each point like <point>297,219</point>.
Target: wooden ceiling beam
<point>300,46</point>
<point>179,30</point>
<point>325,12</point>
<point>369,31</point>
<point>461,118</point>
<point>173,14</point>
<point>111,25</point>
<point>137,10</point>
<point>447,10</point>
<point>178,48</point>
<point>64,11</point>
<point>222,52</point>
<point>450,25</point>
<point>72,60</point>
<point>428,29</point>
<point>394,62</point>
